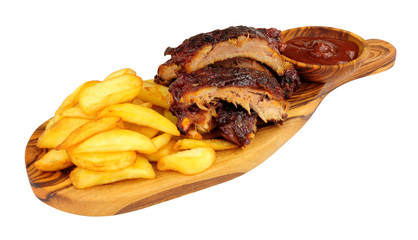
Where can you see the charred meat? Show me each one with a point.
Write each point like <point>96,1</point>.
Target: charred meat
<point>229,79</point>
<point>260,44</point>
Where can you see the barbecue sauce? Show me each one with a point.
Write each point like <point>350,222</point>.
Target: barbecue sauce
<point>320,50</point>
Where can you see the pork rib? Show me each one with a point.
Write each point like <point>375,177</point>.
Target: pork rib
<point>260,44</point>
<point>198,96</point>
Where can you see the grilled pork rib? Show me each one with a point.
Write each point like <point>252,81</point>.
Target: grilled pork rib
<point>229,79</point>
<point>197,96</point>
<point>260,44</point>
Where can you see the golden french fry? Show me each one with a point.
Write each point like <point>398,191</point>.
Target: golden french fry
<point>59,131</point>
<point>216,144</point>
<point>53,160</point>
<point>75,112</point>
<point>120,72</point>
<point>72,99</point>
<point>53,120</point>
<point>162,152</point>
<point>89,129</point>
<point>147,131</point>
<point>116,140</point>
<point>188,162</point>
<point>140,115</point>
<point>83,178</point>
<point>103,161</point>
<point>142,103</point>
<point>161,140</point>
<point>155,94</point>
<point>123,88</point>
<point>170,116</point>
<point>188,143</point>
<point>220,144</point>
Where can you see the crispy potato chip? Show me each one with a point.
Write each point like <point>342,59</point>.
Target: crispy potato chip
<point>162,152</point>
<point>83,178</point>
<point>59,131</point>
<point>116,140</point>
<point>140,115</point>
<point>115,90</point>
<point>161,140</point>
<point>53,160</point>
<point>216,144</point>
<point>155,94</point>
<point>120,73</point>
<point>103,161</point>
<point>89,129</point>
<point>188,162</point>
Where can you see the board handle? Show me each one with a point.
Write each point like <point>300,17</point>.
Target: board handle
<point>381,57</point>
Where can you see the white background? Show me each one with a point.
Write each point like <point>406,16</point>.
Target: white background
<point>350,173</point>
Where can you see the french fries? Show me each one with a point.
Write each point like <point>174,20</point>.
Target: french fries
<point>83,178</point>
<point>140,115</point>
<point>112,130</point>
<point>156,94</point>
<point>162,152</point>
<point>116,140</point>
<point>87,130</point>
<point>120,73</point>
<point>123,88</point>
<point>59,131</point>
<point>161,140</point>
<point>147,131</point>
<point>75,112</point>
<point>188,162</point>
<point>53,160</point>
<point>103,161</point>
<point>73,98</point>
<point>170,116</point>
<point>216,144</point>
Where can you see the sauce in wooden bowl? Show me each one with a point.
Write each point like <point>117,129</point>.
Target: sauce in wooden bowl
<point>321,50</point>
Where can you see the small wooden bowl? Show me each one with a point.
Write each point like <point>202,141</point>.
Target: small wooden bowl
<point>324,73</point>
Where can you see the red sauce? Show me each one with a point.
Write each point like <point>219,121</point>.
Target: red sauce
<point>320,50</point>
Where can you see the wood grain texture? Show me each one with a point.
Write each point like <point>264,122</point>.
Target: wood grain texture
<point>55,189</point>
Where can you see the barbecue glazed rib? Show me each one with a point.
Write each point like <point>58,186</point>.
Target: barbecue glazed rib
<point>198,96</point>
<point>229,79</point>
<point>260,44</point>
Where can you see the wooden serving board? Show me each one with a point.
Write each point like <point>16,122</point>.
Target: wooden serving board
<point>55,189</point>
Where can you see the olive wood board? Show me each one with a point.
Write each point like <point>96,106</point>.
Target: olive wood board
<point>56,190</point>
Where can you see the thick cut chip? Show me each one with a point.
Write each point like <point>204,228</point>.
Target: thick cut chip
<point>140,115</point>
<point>216,144</point>
<point>123,88</point>
<point>76,112</point>
<point>161,140</point>
<point>72,99</point>
<point>170,116</point>
<point>116,140</point>
<point>83,178</point>
<point>162,152</point>
<point>147,131</point>
<point>155,94</point>
<point>103,161</point>
<point>59,131</point>
<point>53,160</point>
<point>89,129</point>
<point>120,73</point>
<point>188,162</point>
<point>138,101</point>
